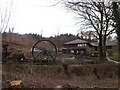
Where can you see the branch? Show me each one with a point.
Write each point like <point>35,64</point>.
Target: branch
<point>111,31</point>
<point>92,23</point>
<point>8,16</point>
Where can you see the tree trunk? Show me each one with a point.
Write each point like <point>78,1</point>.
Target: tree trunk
<point>100,49</point>
<point>117,20</point>
<point>118,34</point>
<point>104,47</point>
<point>101,38</point>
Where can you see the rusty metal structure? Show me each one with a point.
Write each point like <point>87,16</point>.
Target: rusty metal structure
<point>44,52</point>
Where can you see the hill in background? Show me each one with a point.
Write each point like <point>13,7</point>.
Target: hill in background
<point>23,43</point>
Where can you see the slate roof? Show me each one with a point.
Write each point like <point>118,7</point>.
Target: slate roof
<point>77,41</point>
<point>110,43</point>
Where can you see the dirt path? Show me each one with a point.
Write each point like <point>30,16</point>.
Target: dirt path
<point>109,59</point>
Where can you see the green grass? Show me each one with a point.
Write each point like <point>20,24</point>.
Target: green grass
<point>115,56</point>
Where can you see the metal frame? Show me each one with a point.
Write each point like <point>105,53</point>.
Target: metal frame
<point>48,53</point>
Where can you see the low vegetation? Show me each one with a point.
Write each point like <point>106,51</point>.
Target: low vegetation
<point>50,76</point>
<point>115,56</point>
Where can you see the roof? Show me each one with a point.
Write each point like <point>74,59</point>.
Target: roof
<point>74,48</point>
<point>94,44</point>
<point>77,41</point>
<point>110,43</point>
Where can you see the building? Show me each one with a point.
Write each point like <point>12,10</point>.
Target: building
<point>83,47</point>
<point>76,47</point>
<point>109,45</point>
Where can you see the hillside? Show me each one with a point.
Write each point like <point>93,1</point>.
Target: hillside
<point>23,43</point>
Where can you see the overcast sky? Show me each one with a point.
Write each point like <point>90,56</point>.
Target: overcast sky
<point>38,16</point>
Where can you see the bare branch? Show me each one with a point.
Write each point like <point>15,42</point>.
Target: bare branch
<point>6,17</point>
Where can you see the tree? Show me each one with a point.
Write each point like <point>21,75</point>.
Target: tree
<point>97,15</point>
<point>88,35</point>
<point>5,13</point>
<point>116,13</point>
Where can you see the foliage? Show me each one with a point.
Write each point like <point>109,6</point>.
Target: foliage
<point>35,36</point>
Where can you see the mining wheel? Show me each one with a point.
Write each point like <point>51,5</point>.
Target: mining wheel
<point>44,52</point>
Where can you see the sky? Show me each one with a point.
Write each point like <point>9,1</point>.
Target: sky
<point>40,17</point>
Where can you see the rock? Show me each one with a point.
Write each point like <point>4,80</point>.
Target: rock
<point>15,82</point>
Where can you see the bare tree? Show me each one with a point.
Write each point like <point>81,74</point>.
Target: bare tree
<point>116,13</point>
<point>5,13</point>
<point>88,35</point>
<point>97,15</point>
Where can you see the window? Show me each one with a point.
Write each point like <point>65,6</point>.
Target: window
<point>80,45</point>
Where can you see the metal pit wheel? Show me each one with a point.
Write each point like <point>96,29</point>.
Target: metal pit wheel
<point>44,52</point>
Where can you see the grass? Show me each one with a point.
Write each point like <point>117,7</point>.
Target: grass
<point>115,56</point>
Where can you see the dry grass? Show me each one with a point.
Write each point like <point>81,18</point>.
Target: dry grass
<point>42,76</point>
